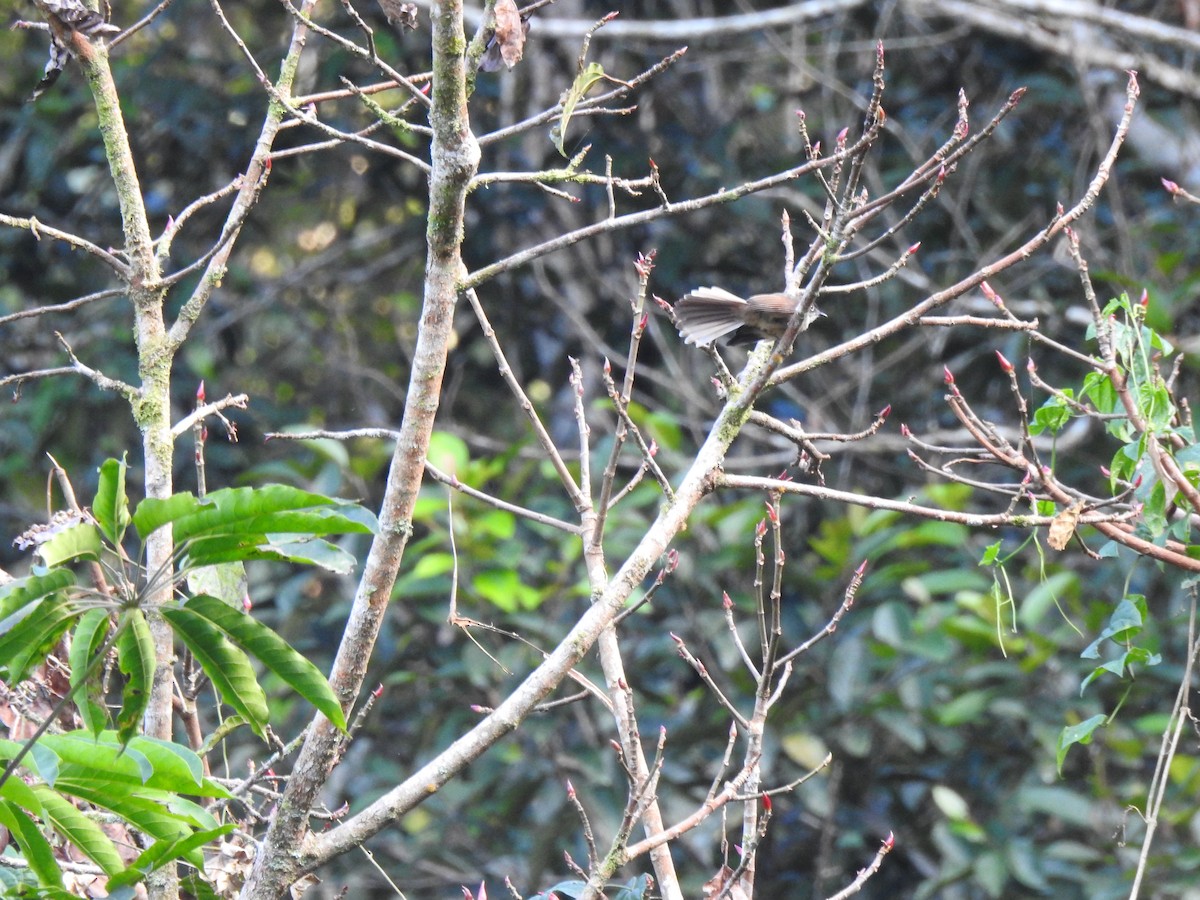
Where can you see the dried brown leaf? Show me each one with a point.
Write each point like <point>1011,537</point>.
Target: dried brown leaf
<point>720,882</point>
<point>399,15</point>
<point>507,43</point>
<point>1063,527</point>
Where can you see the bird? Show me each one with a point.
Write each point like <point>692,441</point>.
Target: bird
<point>707,313</point>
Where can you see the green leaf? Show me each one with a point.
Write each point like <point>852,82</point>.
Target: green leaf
<point>156,813</point>
<point>308,551</point>
<point>634,889</point>
<point>142,762</point>
<point>448,452</point>
<point>226,582</point>
<point>1053,416</point>
<point>1077,734</point>
<point>20,793</point>
<point>32,633</point>
<point>252,513</point>
<point>86,646</point>
<point>162,852</point>
<point>135,655</point>
<point>273,652</point>
<point>79,541</point>
<point>79,829</point>
<point>431,565</point>
<point>1044,596</point>
<point>20,592</point>
<point>111,504</point>
<point>504,589</point>
<point>1124,624</point>
<point>584,82</point>
<point>35,849</point>
<point>227,666</point>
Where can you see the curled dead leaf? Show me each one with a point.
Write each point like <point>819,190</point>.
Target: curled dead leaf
<point>507,43</point>
<point>399,15</point>
<point>719,885</point>
<point>1063,527</point>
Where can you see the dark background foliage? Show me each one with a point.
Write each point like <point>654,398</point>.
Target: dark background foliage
<point>942,719</point>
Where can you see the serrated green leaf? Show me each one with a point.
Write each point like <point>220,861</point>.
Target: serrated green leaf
<point>35,849</point>
<point>135,656</point>
<point>111,504</point>
<point>226,665</point>
<point>79,829</point>
<point>87,644</point>
<point>273,652</point>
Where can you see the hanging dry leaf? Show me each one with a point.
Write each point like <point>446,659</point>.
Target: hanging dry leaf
<point>506,44</point>
<point>1063,527</point>
<point>510,32</point>
<point>720,882</point>
<point>399,15</point>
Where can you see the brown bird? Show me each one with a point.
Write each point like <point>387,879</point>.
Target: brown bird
<point>708,313</point>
